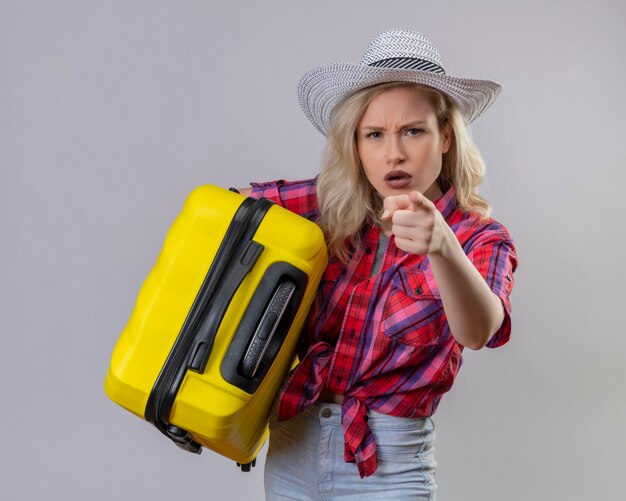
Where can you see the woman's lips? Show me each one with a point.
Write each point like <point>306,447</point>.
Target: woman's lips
<point>398,179</point>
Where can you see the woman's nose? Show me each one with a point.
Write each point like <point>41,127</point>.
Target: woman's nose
<point>395,150</point>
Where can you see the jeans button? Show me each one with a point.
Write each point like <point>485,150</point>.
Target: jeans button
<point>326,412</point>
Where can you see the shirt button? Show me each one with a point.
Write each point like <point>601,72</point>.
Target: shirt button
<point>326,412</point>
<point>418,290</point>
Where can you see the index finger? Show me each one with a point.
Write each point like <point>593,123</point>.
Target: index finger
<point>393,203</point>
<point>419,199</point>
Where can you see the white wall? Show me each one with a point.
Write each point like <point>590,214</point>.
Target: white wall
<point>112,111</point>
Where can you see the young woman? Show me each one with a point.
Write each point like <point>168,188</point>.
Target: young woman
<point>418,271</point>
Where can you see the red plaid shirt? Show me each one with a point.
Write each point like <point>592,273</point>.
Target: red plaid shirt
<point>383,341</point>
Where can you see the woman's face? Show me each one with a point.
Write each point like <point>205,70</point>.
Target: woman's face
<point>400,144</point>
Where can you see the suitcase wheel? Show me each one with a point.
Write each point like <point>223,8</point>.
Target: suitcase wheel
<point>246,466</point>
<point>183,439</point>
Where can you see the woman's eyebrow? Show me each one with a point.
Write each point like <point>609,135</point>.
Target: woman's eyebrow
<point>414,123</point>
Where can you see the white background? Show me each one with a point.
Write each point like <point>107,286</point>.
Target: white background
<point>112,111</point>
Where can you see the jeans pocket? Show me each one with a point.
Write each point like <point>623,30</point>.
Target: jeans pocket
<point>407,439</point>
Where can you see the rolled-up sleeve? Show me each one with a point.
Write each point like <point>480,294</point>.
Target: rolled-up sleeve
<point>297,196</point>
<point>494,256</point>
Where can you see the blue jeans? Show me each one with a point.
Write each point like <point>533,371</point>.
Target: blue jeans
<point>305,458</point>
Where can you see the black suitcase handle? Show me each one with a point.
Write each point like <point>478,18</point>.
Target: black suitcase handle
<point>267,327</point>
<point>264,326</point>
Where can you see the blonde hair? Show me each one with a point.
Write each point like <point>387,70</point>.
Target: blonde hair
<point>347,199</point>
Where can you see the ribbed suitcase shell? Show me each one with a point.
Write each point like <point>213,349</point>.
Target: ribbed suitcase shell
<point>218,414</point>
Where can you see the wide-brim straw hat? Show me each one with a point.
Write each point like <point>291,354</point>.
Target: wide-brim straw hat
<point>393,56</point>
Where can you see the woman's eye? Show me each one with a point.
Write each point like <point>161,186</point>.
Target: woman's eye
<point>414,132</point>
<point>374,134</point>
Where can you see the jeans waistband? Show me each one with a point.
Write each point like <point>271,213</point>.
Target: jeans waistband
<point>330,414</point>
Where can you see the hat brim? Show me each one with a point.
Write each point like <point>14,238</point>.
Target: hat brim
<point>323,88</point>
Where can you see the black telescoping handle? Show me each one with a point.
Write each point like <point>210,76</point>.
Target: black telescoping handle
<point>208,328</point>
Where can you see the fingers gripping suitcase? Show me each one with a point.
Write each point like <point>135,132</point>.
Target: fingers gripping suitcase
<point>216,323</point>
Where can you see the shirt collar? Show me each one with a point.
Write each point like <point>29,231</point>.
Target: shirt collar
<point>447,203</point>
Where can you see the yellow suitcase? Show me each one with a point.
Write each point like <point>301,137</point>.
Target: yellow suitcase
<point>216,323</point>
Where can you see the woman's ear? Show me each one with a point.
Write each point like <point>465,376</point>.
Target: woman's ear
<point>446,136</point>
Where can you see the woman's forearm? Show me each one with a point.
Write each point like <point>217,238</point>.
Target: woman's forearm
<point>473,311</point>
